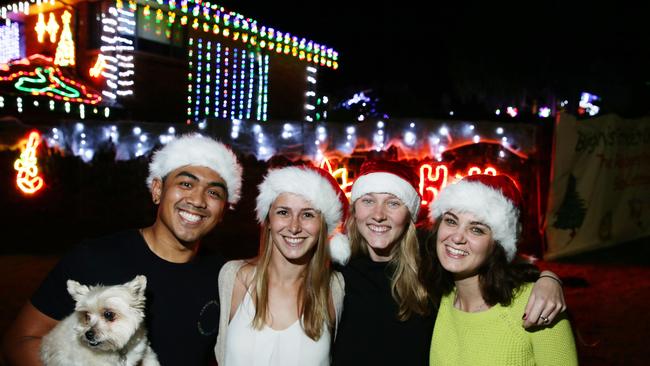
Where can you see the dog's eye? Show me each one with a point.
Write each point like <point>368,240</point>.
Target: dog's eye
<point>109,315</point>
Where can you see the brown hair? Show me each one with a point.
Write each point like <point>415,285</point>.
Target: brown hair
<point>499,279</point>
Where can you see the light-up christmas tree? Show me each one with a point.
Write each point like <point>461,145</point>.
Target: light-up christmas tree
<point>65,49</point>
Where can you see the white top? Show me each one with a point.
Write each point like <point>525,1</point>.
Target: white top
<point>248,346</point>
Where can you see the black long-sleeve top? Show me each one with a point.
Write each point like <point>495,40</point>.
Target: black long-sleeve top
<point>369,332</point>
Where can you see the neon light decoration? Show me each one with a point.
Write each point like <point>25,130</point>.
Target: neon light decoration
<point>226,82</point>
<point>27,178</point>
<point>52,27</point>
<point>99,66</point>
<point>433,178</point>
<point>9,42</point>
<point>65,55</point>
<point>50,82</point>
<point>440,177</point>
<point>40,28</point>
<point>340,173</point>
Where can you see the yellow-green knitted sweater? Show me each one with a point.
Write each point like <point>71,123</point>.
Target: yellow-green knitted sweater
<point>496,337</point>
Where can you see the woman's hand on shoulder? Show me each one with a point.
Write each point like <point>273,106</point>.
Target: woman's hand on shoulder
<point>546,301</point>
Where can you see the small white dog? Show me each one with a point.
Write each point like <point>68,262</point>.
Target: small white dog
<point>107,328</point>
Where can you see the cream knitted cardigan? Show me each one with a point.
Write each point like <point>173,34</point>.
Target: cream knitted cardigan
<point>227,283</point>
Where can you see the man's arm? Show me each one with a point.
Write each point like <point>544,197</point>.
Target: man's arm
<point>22,341</point>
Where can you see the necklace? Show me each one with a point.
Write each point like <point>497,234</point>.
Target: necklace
<point>481,307</point>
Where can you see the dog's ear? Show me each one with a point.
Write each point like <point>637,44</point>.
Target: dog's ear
<point>77,290</point>
<point>137,286</point>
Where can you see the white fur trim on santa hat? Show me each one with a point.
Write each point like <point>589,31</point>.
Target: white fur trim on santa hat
<point>383,182</point>
<point>489,205</point>
<point>304,182</point>
<point>340,248</point>
<point>198,150</point>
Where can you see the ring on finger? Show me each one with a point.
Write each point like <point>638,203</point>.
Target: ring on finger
<point>544,319</point>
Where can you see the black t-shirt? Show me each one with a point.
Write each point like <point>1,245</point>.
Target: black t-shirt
<point>182,306</point>
<point>369,332</point>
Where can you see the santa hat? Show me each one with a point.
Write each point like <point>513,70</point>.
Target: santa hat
<point>384,176</point>
<point>494,200</point>
<point>198,151</point>
<point>319,188</point>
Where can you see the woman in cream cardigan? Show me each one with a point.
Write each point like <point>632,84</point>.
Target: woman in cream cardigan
<point>282,307</point>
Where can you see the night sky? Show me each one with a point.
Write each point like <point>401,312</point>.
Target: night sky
<point>424,58</point>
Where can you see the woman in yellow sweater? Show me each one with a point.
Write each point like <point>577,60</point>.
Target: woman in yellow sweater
<point>483,288</point>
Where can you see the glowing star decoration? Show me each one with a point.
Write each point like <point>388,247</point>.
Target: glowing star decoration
<point>341,173</point>
<point>27,178</point>
<point>99,66</point>
<point>52,27</point>
<point>65,50</point>
<point>40,28</point>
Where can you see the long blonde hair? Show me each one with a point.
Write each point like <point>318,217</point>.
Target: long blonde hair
<point>408,292</point>
<point>314,294</point>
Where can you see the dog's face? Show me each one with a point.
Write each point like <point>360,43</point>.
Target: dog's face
<point>108,316</point>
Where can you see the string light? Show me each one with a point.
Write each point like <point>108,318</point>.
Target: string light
<point>224,82</point>
<point>9,42</point>
<point>117,51</point>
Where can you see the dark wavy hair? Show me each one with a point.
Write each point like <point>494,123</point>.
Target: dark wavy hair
<point>499,279</point>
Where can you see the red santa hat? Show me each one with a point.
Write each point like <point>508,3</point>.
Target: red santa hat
<point>198,150</point>
<point>494,200</point>
<point>385,176</point>
<point>319,188</point>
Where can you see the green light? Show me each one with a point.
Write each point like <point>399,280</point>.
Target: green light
<point>55,85</point>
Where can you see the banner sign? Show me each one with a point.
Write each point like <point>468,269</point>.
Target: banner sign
<point>600,187</point>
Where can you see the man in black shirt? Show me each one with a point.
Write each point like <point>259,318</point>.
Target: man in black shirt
<point>192,180</point>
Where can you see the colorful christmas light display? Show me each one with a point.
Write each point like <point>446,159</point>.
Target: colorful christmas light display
<point>46,81</point>
<point>9,42</point>
<point>225,82</point>
<point>52,28</point>
<point>98,67</point>
<point>213,18</point>
<point>50,82</point>
<point>65,53</point>
<point>27,177</point>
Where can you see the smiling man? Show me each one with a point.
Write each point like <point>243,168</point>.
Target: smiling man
<point>192,180</point>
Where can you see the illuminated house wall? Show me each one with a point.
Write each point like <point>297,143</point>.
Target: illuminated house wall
<point>141,58</point>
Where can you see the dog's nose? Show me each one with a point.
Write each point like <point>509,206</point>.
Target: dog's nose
<point>90,335</point>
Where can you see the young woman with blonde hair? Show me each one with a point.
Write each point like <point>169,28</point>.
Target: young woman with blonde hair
<point>282,307</point>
